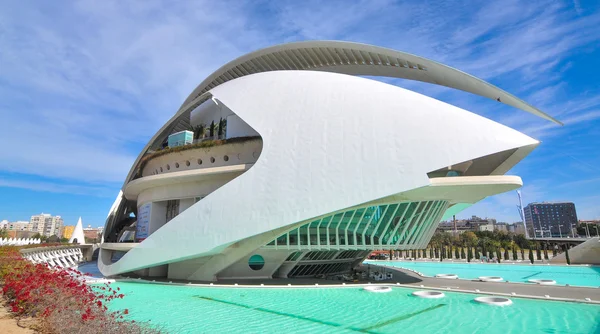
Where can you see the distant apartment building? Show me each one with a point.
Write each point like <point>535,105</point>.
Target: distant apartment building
<point>92,234</point>
<point>46,224</point>
<point>17,226</point>
<point>486,227</point>
<point>501,227</point>
<point>556,219</point>
<point>516,228</point>
<point>462,225</point>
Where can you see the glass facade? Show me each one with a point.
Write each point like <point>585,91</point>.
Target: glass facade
<point>172,209</point>
<point>551,220</point>
<point>389,226</point>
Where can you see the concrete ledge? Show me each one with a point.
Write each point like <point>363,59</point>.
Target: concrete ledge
<point>119,246</point>
<point>586,300</point>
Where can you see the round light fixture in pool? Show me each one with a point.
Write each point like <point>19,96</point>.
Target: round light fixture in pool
<point>543,281</point>
<point>450,276</point>
<point>496,301</point>
<point>428,294</point>
<point>491,279</point>
<point>377,288</point>
<point>256,262</point>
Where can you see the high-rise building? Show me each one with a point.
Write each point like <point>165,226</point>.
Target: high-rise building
<point>46,224</point>
<point>37,222</point>
<point>556,219</point>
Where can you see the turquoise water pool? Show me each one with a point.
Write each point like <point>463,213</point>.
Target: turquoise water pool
<point>187,309</point>
<point>572,275</point>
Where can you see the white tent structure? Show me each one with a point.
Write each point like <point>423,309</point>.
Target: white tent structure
<point>78,233</point>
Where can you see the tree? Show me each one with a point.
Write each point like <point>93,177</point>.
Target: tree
<point>469,239</point>
<point>523,254</point>
<point>3,233</point>
<point>506,245</point>
<point>521,241</point>
<point>545,251</point>
<point>462,253</point>
<point>199,131</point>
<point>538,252</point>
<point>469,254</point>
<point>212,129</point>
<point>514,252</point>
<point>567,254</point>
<point>222,126</point>
<point>456,253</point>
<point>531,256</point>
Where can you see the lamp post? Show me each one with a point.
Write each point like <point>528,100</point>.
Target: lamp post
<point>559,231</point>
<point>587,230</point>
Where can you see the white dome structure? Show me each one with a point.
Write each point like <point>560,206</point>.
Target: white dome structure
<point>286,163</point>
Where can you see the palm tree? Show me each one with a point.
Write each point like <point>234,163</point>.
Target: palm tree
<point>531,255</point>
<point>199,131</point>
<point>222,127</point>
<point>506,245</point>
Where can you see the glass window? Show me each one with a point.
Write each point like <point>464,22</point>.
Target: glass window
<point>256,262</point>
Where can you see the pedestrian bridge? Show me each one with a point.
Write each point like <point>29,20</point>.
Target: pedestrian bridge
<point>66,256</point>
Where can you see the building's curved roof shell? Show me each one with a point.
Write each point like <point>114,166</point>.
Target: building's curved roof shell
<point>357,59</point>
<point>318,157</point>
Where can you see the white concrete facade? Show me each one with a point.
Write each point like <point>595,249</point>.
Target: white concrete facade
<point>343,165</point>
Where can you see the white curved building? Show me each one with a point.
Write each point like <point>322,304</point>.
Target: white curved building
<point>314,166</point>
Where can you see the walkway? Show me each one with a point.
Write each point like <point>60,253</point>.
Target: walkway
<point>8,324</point>
<point>570,293</point>
<point>409,279</point>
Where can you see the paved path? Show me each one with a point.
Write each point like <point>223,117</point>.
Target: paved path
<point>8,324</point>
<point>412,280</point>
<point>571,293</point>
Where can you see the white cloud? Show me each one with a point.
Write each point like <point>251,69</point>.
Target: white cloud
<point>83,86</point>
<point>53,187</point>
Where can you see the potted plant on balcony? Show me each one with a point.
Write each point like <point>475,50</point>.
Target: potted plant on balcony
<point>199,131</point>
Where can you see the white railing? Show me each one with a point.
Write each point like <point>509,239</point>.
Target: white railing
<point>55,257</point>
<point>19,241</point>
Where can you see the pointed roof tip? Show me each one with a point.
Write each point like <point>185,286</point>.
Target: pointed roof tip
<point>78,233</point>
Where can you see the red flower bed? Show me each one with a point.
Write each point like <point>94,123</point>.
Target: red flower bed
<point>60,298</point>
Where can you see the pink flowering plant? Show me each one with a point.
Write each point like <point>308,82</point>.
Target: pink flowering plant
<point>61,299</point>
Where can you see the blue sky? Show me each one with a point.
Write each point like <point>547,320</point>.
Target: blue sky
<point>84,85</point>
